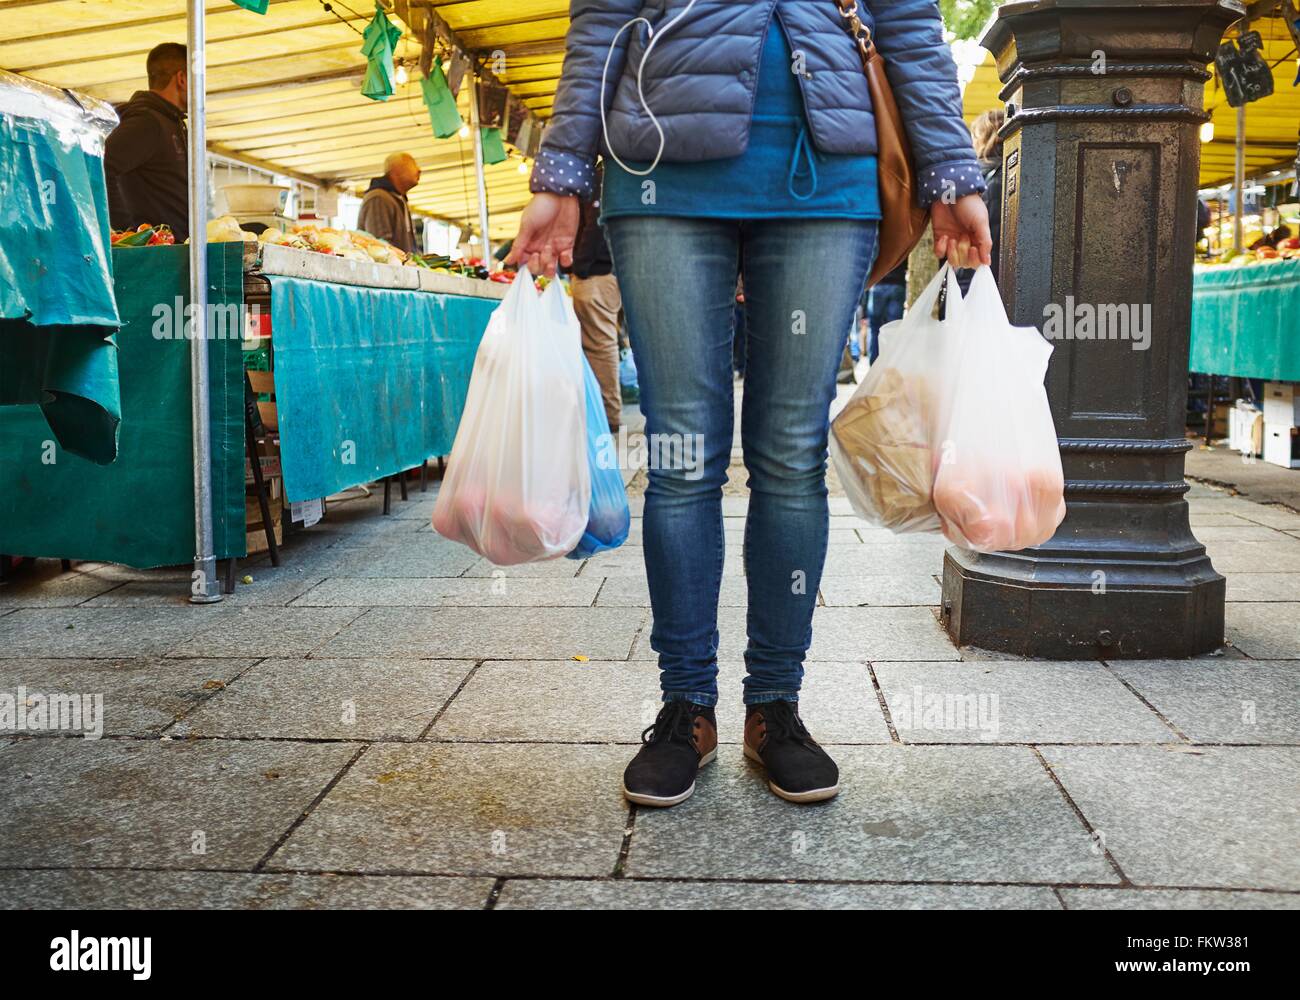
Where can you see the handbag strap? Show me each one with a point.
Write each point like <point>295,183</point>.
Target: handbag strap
<point>861,33</point>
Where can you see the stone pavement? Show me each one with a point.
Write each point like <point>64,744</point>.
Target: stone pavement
<point>388,721</point>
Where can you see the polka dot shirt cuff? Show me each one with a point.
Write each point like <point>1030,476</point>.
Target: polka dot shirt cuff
<point>563,173</point>
<point>956,178</point>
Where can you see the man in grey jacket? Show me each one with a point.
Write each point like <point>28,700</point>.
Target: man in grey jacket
<point>384,211</point>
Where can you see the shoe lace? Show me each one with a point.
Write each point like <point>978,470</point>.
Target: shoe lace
<point>782,723</point>
<point>672,723</point>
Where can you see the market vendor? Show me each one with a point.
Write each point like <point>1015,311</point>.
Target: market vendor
<point>146,157</point>
<point>384,211</point>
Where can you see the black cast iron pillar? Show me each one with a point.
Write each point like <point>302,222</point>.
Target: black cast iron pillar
<point>1101,156</point>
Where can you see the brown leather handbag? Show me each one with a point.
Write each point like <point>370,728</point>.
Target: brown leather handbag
<point>903,221</point>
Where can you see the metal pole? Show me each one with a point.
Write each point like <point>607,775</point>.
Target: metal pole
<point>1239,177</point>
<point>205,588</point>
<point>478,168</point>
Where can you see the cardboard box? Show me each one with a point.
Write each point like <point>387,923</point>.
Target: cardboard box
<point>1282,446</point>
<point>1281,404</point>
<point>1245,428</point>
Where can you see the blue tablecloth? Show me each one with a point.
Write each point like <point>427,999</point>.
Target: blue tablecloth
<point>368,381</point>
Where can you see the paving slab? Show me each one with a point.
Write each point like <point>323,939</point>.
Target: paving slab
<point>1263,586</point>
<point>47,586</point>
<point>876,634</point>
<point>907,558</point>
<point>375,699</point>
<point>104,632</point>
<point>1015,701</point>
<point>147,890</point>
<point>141,697</point>
<point>1274,515</point>
<point>1264,631</point>
<point>909,814</point>
<point>629,561</point>
<point>268,632</point>
<point>1213,817</point>
<point>612,702</point>
<point>634,592</point>
<point>1177,899</point>
<point>1199,520</point>
<point>416,556</point>
<point>1221,701</point>
<point>468,809</point>
<point>635,894</point>
<point>1236,533</point>
<point>482,592</point>
<point>127,803</point>
<point>549,569</point>
<point>270,587</point>
<point>1279,554</point>
<point>910,590</point>
<point>477,633</point>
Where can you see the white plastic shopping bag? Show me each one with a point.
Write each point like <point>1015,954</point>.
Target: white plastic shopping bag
<point>999,485</point>
<point>518,484</point>
<point>887,441</point>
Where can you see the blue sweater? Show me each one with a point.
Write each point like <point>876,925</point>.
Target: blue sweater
<point>779,175</point>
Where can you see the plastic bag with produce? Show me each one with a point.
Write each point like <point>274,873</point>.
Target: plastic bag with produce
<point>999,484</point>
<point>518,484</point>
<point>886,441</point>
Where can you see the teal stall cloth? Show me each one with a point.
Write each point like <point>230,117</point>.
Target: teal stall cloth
<point>57,309</point>
<point>1246,321</point>
<point>140,510</point>
<point>368,381</point>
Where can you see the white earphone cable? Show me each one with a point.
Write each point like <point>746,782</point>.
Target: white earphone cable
<point>640,91</point>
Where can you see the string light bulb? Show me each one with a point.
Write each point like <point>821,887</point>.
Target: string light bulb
<point>464,132</point>
<point>402,76</point>
<point>1207,131</point>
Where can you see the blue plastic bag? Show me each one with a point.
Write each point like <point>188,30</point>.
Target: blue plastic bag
<point>627,382</point>
<point>609,518</point>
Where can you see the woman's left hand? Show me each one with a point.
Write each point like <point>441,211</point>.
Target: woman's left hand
<point>961,231</point>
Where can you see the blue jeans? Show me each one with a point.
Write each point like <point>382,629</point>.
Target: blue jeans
<point>885,306</point>
<point>678,280</point>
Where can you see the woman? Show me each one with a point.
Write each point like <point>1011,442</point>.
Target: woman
<point>752,155</point>
<point>988,147</point>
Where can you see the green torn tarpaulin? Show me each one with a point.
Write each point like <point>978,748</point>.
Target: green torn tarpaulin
<point>1246,321</point>
<point>57,312</point>
<point>139,510</point>
<point>494,150</point>
<point>380,36</point>
<point>256,6</point>
<point>368,381</point>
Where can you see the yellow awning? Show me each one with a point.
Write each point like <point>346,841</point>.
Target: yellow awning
<point>1272,124</point>
<point>284,87</point>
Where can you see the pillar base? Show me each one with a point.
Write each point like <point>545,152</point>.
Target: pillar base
<point>1017,603</point>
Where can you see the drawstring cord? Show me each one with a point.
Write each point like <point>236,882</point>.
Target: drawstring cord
<point>802,149</point>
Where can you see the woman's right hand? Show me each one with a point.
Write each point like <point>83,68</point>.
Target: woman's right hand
<point>547,229</point>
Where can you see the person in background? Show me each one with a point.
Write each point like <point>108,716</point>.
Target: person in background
<point>988,147</point>
<point>885,304</point>
<point>597,302</point>
<point>1272,238</point>
<point>146,158</point>
<point>384,211</point>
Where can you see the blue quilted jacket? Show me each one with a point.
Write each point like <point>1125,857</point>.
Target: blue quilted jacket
<point>701,77</point>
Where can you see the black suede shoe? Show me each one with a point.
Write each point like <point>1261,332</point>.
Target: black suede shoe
<point>682,740</point>
<point>797,768</point>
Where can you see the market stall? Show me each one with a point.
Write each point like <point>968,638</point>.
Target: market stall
<point>370,366</point>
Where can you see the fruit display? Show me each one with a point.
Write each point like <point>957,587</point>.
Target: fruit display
<point>144,236</point>
<point>337,242</point>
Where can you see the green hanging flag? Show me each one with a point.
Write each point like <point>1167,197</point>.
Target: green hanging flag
<point>494,150</point>
<point>256,6</point>
<point>380,37</point>
<point>438,98</point>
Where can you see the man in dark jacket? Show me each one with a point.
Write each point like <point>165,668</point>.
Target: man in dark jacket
<point>146,157</point>
<point>384,211</point>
